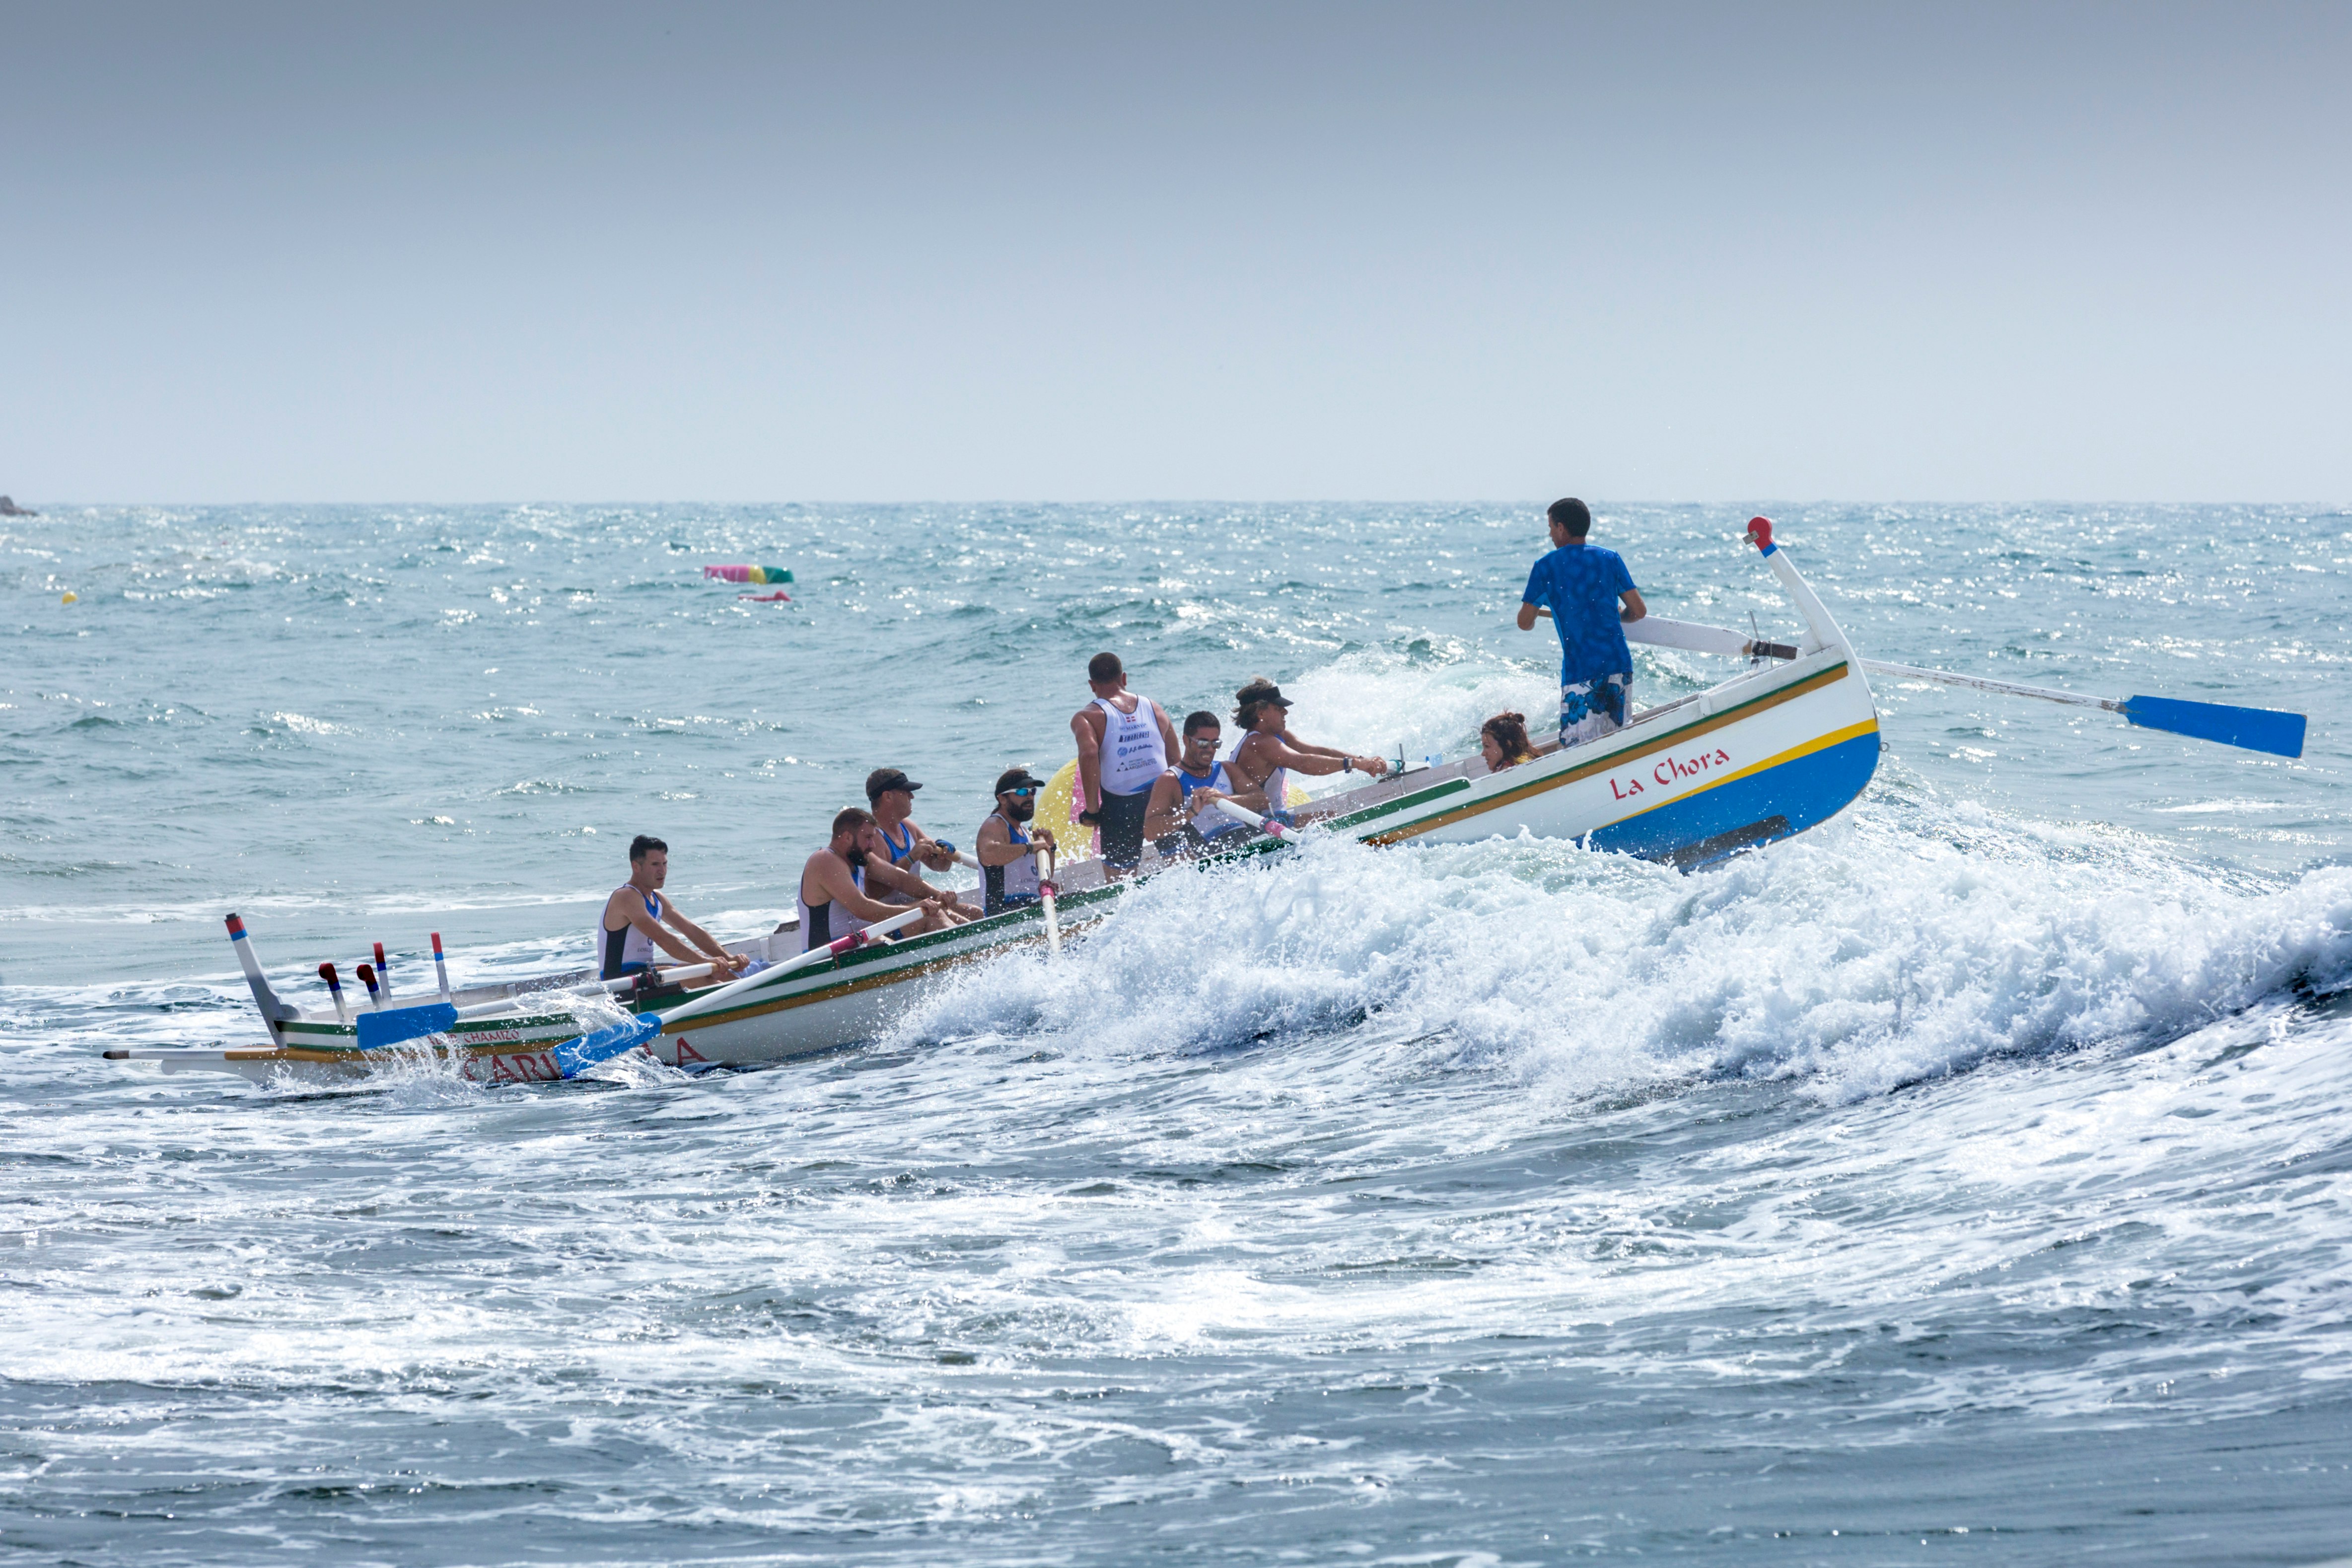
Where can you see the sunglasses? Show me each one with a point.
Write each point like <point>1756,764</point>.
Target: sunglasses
<point>1021,794</point>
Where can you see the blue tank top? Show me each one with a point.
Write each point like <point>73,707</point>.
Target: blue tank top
<point>1220,824</point>
<point>899,852</point>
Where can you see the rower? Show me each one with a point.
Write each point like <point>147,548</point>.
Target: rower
<point>1267,753</point>
<point>890,795</point>
<point>1008,851</point>
<point>631,926</point>
<point>1184,818</point>
<point>838,881</point>
<point>1590,596</point>
<point>1503,741</point>
<point>1125,744</point>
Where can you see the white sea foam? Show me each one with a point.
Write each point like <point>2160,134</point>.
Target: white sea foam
<point>1858,958</point>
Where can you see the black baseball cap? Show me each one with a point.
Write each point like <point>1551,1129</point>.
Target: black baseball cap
<point>1017,778</point>
<point>1261,691</point>
<point>882,781</point>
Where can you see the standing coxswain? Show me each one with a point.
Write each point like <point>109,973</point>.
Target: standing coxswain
<point>631,928</point>
<point>1125,744</point>
<point>1590,597</point>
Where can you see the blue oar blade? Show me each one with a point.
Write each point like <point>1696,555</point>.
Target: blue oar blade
<point>576,1056</point>
<point>396,1024</point>
<point>2256,728</point>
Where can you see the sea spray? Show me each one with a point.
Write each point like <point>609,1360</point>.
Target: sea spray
<point>1859,958</point>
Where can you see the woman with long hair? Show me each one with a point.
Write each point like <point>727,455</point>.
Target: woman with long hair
<point>1504,740</point>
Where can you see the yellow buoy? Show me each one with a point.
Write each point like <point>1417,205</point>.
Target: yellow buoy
<point>71,598</point>
<point>1057,809</point>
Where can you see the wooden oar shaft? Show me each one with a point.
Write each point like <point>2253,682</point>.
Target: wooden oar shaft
<point>849,943</point>
<point>617,984</point>
<point>1978,682</point>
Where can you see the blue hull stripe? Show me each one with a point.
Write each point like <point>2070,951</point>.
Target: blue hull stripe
<point>1808,789</point>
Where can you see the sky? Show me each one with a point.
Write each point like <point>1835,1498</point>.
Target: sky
<point>1362,251</point>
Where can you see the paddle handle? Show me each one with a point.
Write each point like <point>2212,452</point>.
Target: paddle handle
<point>335,990</point>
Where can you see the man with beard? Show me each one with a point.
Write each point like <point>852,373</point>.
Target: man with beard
<point>1006,851</point>
<point>834,897</point>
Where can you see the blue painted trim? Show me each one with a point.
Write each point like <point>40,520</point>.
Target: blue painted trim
<point>1809,790</point>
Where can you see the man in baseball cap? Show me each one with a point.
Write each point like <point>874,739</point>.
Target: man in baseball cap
<point>1006,849</point>
<point>891,794</point>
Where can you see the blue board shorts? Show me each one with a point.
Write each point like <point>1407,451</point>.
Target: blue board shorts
<point>1591,708</point>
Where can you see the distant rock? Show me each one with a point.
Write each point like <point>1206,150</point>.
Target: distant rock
<point>10,509</point>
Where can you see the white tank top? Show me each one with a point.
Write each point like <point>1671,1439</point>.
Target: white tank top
<point>828,922</point>
<point>1015,881</point>
<point>633,945</point>
<point>1133,754</point>
<point>1277,782</point>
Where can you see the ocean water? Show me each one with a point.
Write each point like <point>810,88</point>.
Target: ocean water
<point>1968,1180</point>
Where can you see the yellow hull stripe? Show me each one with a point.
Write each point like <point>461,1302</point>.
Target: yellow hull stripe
<point>1665,742</point>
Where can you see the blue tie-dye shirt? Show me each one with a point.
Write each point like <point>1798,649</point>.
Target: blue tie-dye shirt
<point>1578,583</point>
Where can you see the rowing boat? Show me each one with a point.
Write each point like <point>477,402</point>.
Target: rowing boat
<point>1781,746</point>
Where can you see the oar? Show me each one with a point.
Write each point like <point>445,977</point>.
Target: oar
<point>1273,828</point>
<point>1659,632</point>
<point>575,1057</point>
<point>2268,730</point>
<point>394,1025</point>
<point>1047,891</point>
